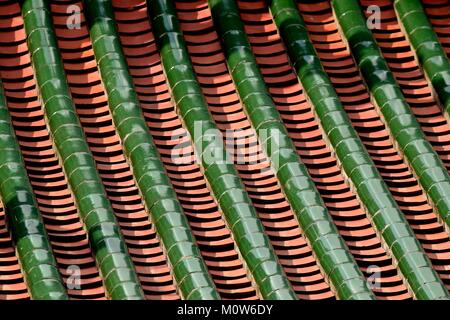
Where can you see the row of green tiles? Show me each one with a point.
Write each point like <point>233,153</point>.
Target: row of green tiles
<point>189,269</point>
<point>356,162</point>
<point>104,235</point>
<point>425,42</point>
<point>220,173</point>
<point>333,255</point>
<point>402,123</point>
<point>28,232</point>
<point>413,263</point>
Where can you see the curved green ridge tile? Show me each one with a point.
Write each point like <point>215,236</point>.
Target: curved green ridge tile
<point>221,174</point>
<point>428,49</point>
<point>27,228</point>
<point>373,192</point>
<point>331,250</point>
<point>156,189</point>
<point>104,235</point>
<point>404,127</point>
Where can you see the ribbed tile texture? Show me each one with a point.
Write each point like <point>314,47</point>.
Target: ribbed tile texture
<point>116,118</point>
